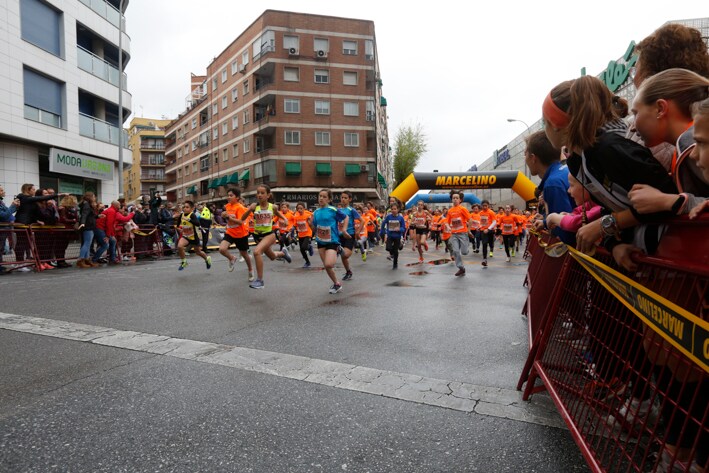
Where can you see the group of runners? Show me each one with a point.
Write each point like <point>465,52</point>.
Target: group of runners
<point>342,229</point>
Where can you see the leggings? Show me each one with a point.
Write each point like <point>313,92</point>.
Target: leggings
<point>488,240</point>
<point>509,243</point>
<point>304,243</point>
<point>393,248</point>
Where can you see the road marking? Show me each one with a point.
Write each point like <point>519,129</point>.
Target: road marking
<point>459,396</point>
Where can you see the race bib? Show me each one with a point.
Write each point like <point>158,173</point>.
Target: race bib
<point>228,222</point>
<point>263,218</point>
<point>282,224</point>
<point>506,227</point>
<point>302,226</point>
<point>324,234</point>
<point>394,225</point>
<point>457,223</point>
<point>476,224</point>
<point>188,231</point>
<point>484,220</point>
<point>420,222</point>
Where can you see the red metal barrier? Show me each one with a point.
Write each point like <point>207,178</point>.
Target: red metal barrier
<point>23,253</point>
<point>55,243</point>
<point>146,240</point>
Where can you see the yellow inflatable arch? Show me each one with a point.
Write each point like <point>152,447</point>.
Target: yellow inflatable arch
<point>514,180</point>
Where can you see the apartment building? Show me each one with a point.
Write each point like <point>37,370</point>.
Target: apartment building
<point>294,102</point>
<point>147,143</point>
<point>59,88</point>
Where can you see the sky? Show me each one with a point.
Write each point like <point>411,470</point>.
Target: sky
<point>459,69</point>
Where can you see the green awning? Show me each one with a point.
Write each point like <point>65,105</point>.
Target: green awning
<point>382,181</point>
<point>323,169</point>
<point>233,179</point>
<point>244,176</point>
<point>382,101</point>
<point>214,184</point>
<point>192,190</point>
<point>223,181</point>
<point>352,169</point>
<point>293,169</point>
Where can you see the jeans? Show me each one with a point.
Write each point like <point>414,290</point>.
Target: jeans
<point>88,237</point>
<point>101,240</point>
<point>459,246</point>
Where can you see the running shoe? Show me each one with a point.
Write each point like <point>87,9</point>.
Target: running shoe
<point>337,287</point>
<point>183,265</point>
<point>306,265</point>
<point>310,249</point>
<point>257,284</point>
<point>635,411</point>
<point>251,276</point>
<point>241,259</point>
<point>420,260</point>
<point>231,265</point>
<point>508,259</point>
<point>485,263</point>
<point>491,255</point>
<point>347,276</point>
<point>425,244</point>
<point>461,272</point>
<point>364,256</point>
<point>390,258</point>
<point>286,255</point>
<point>208,262</point>
<point>394,266</point>
<point>512,252</point>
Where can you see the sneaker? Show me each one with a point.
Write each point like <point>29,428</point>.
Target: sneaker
<point>635,411</point>
<point>485,263</point>
<point>364,256</point>
<point>347,276</point>
<point>241,259</point>
<point>310,249</point>
<point>512,252</point>
<point>183,265</point>
<point>208,262</point>
<point>508,259</point>
<point>126,258</point>
<point>425,245</point>
<point>286,255</point>
<point>257,284</point>
<point>476,251</point>
<point>252,278</point>
<point>24,269</point>
<point>461,272</point>
<point>335,288</point>
<point>491,254</point>
<point>231,265</point>
<point>390,258</point>
<point>306,265</point>
<point>420,260</point>
<point>394,266</point>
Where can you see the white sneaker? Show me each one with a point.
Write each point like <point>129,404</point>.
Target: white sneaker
<point>508,259</point>
<point>125,258</point>
<point>241,259</point>
<point>231,265</point>
<point>251,276</point>
<point>635,411</point>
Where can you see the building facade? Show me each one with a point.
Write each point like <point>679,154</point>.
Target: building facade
<point>616,76</point>
<point>147,144</point>
<point>59,120</point>
<point>294,102</point>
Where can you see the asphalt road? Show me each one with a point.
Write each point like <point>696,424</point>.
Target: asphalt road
<point>410,370</point>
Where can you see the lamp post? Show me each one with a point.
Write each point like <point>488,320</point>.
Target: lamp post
<point>510,120</point>
<point>120,99</point>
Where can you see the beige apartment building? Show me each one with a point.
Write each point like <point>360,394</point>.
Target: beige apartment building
<point>147,143</point>
<point>294,102</point>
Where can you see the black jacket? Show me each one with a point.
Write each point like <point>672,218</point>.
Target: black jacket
<point>29,210</point>
<point>88,216</point>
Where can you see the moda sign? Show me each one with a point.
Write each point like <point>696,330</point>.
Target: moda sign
<point>75,164</point>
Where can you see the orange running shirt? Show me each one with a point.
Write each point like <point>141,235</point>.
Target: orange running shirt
<point>457,218</point>
<point>475,216</point>
<point>486,218</point>
<point>236,210</point>
<point>508,223</point>
<point>301,224</point>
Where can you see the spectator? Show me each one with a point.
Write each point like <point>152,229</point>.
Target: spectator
<point>112,218</point>
<point>87,226</point>
<point>205,222</point>
<point>69,217</point>
<point>155,203</point>
<point>6,216</point>
<point>27,214</point>
<point>47,215</point>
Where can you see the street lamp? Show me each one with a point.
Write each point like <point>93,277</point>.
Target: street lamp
<point>510,120</point>
<point>120,99</point>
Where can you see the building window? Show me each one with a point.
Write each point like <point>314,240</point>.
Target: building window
<point>322,76</point>
<point>322,138</point>
<point>215,109</point>
<point>246,86</point>
<point>187,149</point>
<point>215,133</point>
<point>235,151</point>
<point>234,67</point>
<point>179,193</point>
<point>216,158</point>
<point>187,170</point>
<point>179,173</point>
<point>351,109</point>
<point>246,117</point>
<point>291,74</point>
<point>349,78</point>
<point>214,85</point>
<point>291,42</point>
<point>247,145</point>
<point>349,48</point>
<point>234,122</point>
<point>292,105</point>
<point>179,153</point>
<point>41,25</point>
<point>194,166</point>
<point>225,154</point>
<point>225,101</point>
<point>194,123</point>
<point>352,140</point>
<point>292,137</point>
<point>204,163</point>
<point>369,49</point>
<point>224,76</point>
<point>44,101</point>
<point>245,57</point>
<point>194,145</point>
<point>225,128</point>
<point>322,107</point>
<point>234,94</point>
<point>321,44</point>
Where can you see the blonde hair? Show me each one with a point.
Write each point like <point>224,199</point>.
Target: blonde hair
<point>69,201</point>
<point>681,86</point>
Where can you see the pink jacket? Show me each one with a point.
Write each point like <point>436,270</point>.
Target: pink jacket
<point>572,222</point>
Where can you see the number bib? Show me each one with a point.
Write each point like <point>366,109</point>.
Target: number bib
<point>476,224</point>
<point>302,226</point>
<point>263,218</point>
<point>457,223</point>
<point>420,222</point>
<point>507,227</point>
<point>187,231</point>
<point>282,224</point>
<point>394,225</point>
<point>324,234</point>
<point>484,220</point>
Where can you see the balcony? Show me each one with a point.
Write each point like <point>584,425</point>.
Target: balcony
<point>99,67</point>
<point>152,177</point>
<point>152,146</point>
<point>155,160</point>
<point>100,130</point>
<point>106,11</point>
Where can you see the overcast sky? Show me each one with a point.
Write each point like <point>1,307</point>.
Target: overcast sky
<point>459,71</point>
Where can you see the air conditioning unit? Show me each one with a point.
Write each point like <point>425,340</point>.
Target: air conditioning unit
<point>363,168</point>
<point>242,67</point>
<point>321,53</point>
<point>293,51</point>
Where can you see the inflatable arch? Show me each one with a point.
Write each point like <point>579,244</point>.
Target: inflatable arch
<point>514,180</point>
<point>469,197</point>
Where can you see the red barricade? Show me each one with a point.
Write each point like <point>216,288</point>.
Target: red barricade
<point>19,242</point>
<point>144,241</point>
<point>55,243</point>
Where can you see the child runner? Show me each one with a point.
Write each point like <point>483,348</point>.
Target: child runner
<point>285,226</point>
<point>446,237</point>
<point>362,242</point>
<point>189,225</point>
<point>487,228</point>
<point>237,231</point>
<point>459,220</point>
<point>305,233</point>
<point>393,226</point>
<point>348,241</point>
<point>263,213</point>
<point>475,229</point>
<point>508,223</point>
<point>421,219</point>
<point>436,227</point>
<point>327,221</point>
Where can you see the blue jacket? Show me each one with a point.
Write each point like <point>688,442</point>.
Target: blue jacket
<point>391,233</point>
<point>555,189</point>
<point>7,213</point>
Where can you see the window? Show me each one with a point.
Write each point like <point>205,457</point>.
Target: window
<point>187,170</point>
<point>179,153</point>
<point>351,109</point>
<point>215,109</point>
<point>369,49</point>
<point>194,123</point>
<point>44,101</point>
<point>291,42</point>
<point>179,173</point>
<point>322,76</point>
<point>369,113</point>
<point>214,85</point>
<point>224,76</point>
<point>246,117</point>
<point>215,133</point>
<point>264,44</point>
<point>349,78</point>
<point>234,94</point>
<point>321,44</point>
<point>234,67</point>
<point>247,145</point>
<point>194,167</point>
<point>234,122</point>
<point>349,48</point>
<point>204,163</point>
<point>291,74</point>
<point>225,128</point>
<point>322,138</point>
<point>292,137</point>
<point>246,86</point>
<point>235,150</point>
<point>179,193</point>
<point>194,145</point>
<point>187,149</point>
<point>42,26</point>
<point>352,140</point>
<point>292,105</point>
<point>245,57</point>
<point>322,107</point>
<point>225,154</point>
<point>216,158</point>
<point>224,102</point>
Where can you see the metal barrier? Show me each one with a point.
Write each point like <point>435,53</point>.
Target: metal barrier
<point>145,241</point>
<point>19,243</point>
<point>626,360</point>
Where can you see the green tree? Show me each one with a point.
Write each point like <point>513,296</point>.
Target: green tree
<point>409,145</point>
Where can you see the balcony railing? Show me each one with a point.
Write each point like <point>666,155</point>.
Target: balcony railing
<point>98,67</point>
<point>100,130</point>
<point>152,177</point>
<point>147,162</point>
<point>42,116</point>
<point>107,11</point>
<point>144,145</point>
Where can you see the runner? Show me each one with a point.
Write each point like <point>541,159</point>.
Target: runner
<point>237,232</point>
<point>189,236</point>
<point>487,228</point>
<point>475,229</point>
<point>372,228</point>
<point>327,222</point>
<point>436,227</point>
<point>305,233</point>
<point>363,243</point>
<point>286,226</point>
<point>421,219</point>
<point>393,227</point>
<point>347,239</point>
<point>263,213</point>
<point>459,220</point>
<point>508,224</point>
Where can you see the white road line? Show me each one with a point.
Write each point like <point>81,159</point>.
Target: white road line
<point>465,397</point>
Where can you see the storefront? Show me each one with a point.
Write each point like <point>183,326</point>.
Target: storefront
<point>311,198</point>
<point>73,173</point>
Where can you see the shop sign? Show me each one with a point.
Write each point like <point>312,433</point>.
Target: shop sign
<point>617,72</point>
<point>76,164</point>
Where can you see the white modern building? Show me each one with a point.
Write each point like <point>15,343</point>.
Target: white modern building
<point>59,95</point>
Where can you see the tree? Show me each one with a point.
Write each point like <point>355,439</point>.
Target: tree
<point>409,145</point>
